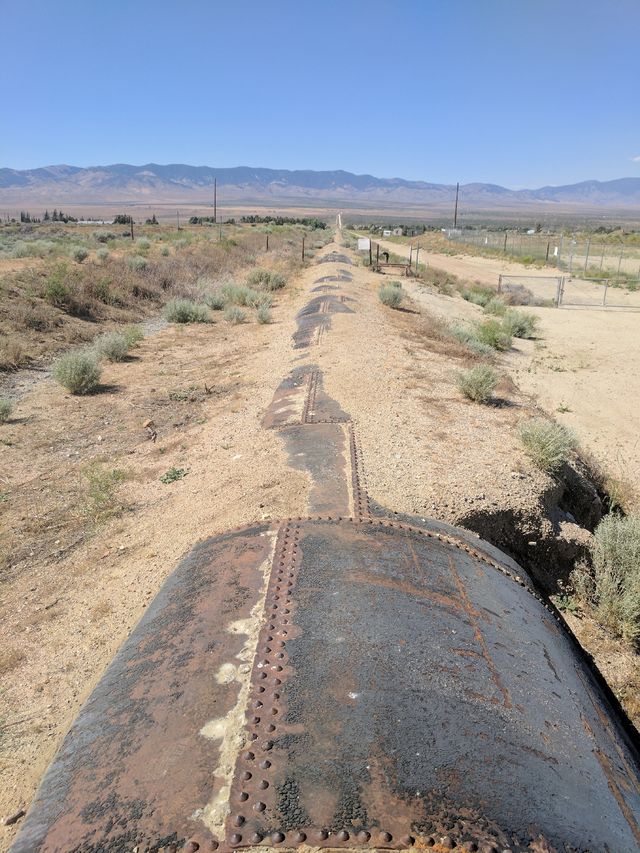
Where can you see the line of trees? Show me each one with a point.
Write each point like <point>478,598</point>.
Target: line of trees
<point>311,221</point>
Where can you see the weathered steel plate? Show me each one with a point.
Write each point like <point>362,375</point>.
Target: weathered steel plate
<point>406,690</point>
<point>135,768</point>
<point>314,319</point>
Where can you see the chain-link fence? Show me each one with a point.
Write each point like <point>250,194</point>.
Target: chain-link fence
<point>566,290</point>
<point>571,254</point>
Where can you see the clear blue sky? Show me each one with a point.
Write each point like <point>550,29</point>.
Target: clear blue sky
<point>515,92</point>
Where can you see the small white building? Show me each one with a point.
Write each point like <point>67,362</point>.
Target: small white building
<point>386,233</point>
<point>397,232</point>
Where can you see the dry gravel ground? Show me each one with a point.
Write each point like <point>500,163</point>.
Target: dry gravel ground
<point>73,586</point>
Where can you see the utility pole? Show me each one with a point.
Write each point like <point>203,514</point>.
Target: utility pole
<point>178,218</point>
<point>455,212</point>
<point>215,200</point>
<point>303,250</point>
<point>131,220</point>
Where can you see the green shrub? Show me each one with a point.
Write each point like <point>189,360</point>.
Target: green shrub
<point>258,276</point>
<point>78,372</point>
<point>495,306</point>
<point>236,294</point>
<point>611,585</point>
<point>112,346</point>
<point>79,254</point>
<point>491,332</point>
<point>547,443</point>
<point>186,311</point>
<point>478,384</point>
<point>143,244</point>
<point>478,295</point>
<point>132,335</point>
<point>276,281</point>
<point>102,254</point>
<point>263,314</point>
<point>164,251</point>
<point>215,300</point>
<point>101,500</point>
<point>254,299</point>
<point>234,315</point>
<point>390,295</point>
<point>173,474</point>
<point>268,280</point>
<point>137,263</point>
<point>520,324</point>
<point>6,407</point>
<point>55,289</point>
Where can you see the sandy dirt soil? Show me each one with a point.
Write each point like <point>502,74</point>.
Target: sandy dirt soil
<point>75,582</point>
<point>585,362</point>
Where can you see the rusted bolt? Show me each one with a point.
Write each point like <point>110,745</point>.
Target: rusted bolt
<point>191,847</point>
<point>243,797</point>
<point>265,765</point>
<point>248,756</point>
<point>448,843</point>
<point>259,807</point>
<point>246,776</point>
<point>277,838</point>
<point>408,840</point>
<point>343,835</point>
<point>263,784</point>
<point>322,835</point>
<point>256,838</point>
<point>235,838</point>
<point>238,820</point>
<point>363,836</point>
<point>300,837</point>
<point>386,837</point>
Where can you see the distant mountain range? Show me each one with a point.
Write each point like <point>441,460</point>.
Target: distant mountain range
<point>122,183</point>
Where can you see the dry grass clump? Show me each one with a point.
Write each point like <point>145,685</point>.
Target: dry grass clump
<point>478,383</point>
<point>496,306</point>
<point>391,295</point>
<point>6,407</point>
<point>519,324</point>
<point>79,254</point>
<point>610,586</point>
<point>215,300</point>
<point>263,314</point>
<point>132,335</point>
<point>137,263</point>
<point>266,279</point>
<point>492,333</point>
<point>547,443</point>
<point>100,502</point>
<point>12,354</point>
<point>478,295</point>
<point>186,311</point>
<point>234,314</point>
<point>112,346</point>
<point>78,372</point>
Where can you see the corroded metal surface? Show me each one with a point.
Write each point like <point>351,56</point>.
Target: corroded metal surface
<point>404,691</point>
<point>405,688</point>
<point>135,767</point>
<point>314,319</point>
<point>335,258</point>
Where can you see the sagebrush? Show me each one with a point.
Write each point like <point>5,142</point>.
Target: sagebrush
<point>610,585</point>
<point>478,383</point>
<point>547,443</point>
<point>78,372</point>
